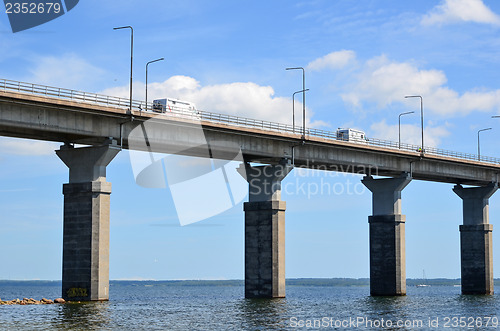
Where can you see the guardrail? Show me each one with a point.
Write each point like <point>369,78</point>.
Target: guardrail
<point>85,97</point>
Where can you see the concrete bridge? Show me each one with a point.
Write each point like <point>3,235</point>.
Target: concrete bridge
<point>107,126</point>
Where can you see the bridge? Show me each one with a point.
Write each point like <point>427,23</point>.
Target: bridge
<point>106,125</point>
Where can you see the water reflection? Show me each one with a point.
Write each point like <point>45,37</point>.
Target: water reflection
<point>387,312</point>
<point>474,307</point>
<point>88,315</point>
<point>258,313</point>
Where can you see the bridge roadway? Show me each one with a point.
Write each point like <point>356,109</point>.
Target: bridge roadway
<point>52,119</point>
<point>107,128</point>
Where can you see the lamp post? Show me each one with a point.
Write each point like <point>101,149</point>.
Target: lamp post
<point>160,59</point>
<point>399,126</point>
<point>421,116</point>
<point>293,107</point>
<point>478,143</point>
<point>303,99</point>
<point>131,58</point>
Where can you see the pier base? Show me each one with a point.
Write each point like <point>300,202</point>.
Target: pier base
<point>85,274</point>
<point>265,249</point>
<point>265,231</point>
<point>476,244</point>
<point>387,255</point>
<point>387,236</point>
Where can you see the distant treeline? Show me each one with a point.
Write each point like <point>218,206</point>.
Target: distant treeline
<point>30,283</point>
<point>237,282</point>
<point>366,282</point>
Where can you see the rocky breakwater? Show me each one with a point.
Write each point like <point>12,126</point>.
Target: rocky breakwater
<point>32,301</point>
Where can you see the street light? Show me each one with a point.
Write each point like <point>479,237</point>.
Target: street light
<point>131,57</point>
<point>293,107</point>
<point>478,144</point>
<point>303,99</point>
<point>160,59</point>
<point>421,116</point>
<point>399,140</point>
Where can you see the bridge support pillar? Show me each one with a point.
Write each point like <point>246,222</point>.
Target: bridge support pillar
<point>476,252</point>
<point>265,231</point>
<point>85,271</point>
<point>387,236</point>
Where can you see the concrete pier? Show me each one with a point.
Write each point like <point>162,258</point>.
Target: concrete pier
<point>387,236</point>
<point>476,251</point>
<point>85,272</point>
<point>265,231</point>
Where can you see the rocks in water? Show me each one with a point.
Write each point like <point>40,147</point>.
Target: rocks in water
<point>32,301</point>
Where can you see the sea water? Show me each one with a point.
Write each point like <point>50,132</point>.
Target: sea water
<point>167,306</point>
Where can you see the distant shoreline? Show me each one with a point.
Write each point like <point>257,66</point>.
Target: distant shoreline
<point>240,282</point>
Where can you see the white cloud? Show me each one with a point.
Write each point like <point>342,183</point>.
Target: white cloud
<point>68,70</point>
<point>27,147</point>
<point>240,99</point>
<point>334,60</point>
<point>454,11</point>
<point>410,134</point>
<point>386,82</point>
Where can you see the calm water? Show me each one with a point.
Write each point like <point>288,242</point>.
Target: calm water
<point>161,307</point>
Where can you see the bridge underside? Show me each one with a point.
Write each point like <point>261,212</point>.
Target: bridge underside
<point>34,117</point>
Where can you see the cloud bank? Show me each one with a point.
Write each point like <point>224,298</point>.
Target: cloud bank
<point>245,99</point>
<point>334,60</point>
<point>456,11</point>
<point>386,82</point>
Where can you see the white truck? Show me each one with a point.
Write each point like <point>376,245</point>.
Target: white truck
<point>353,135</point>
<point>176,107</point>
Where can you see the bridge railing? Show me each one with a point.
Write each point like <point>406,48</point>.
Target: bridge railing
<point>63,93</point>
<point>124,103</point>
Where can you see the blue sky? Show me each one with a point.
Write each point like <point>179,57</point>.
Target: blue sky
<point>361,58</point>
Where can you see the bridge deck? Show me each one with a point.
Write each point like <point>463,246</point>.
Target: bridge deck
<point>52,114</point>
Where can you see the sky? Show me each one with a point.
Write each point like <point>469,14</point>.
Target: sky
<point>361,58</point>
